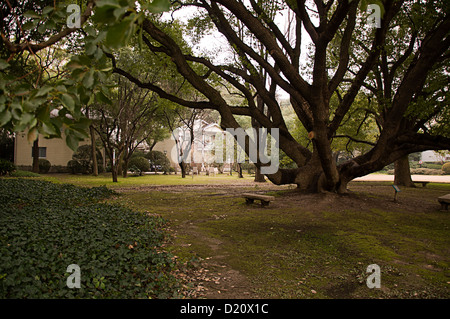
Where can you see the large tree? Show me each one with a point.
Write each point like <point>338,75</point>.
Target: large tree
<point>310,96</point>
<point>265,59</point>
<point>428,107</point>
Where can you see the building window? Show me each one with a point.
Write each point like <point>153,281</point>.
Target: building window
<point>42,152</point>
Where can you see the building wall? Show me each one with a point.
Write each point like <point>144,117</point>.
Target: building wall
<point>168,145</point>
<point>57,152</point>
<point>202,152</point>
<point>431,156</point>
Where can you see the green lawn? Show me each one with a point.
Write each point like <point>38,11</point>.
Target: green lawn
<point>150,179</point>
<point>302,245</point>
<point>314,245</point>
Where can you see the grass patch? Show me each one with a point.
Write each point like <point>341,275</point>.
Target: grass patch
<point>46,227</point>
<point>145,180</point>
<point>315,246</point>
<point>20,173</point>
<point>302,245</point>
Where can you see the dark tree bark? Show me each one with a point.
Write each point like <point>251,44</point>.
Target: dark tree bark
<point>259,178</point>
<point>93,146</point>
<point>126,159</point>
<point>183,167</point>
<point>115,173</point>
<point>93,151</point>
<point>35,165</point>
<point>402,172</point>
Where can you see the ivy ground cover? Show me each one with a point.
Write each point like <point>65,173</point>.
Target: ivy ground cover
<point>45,227</point>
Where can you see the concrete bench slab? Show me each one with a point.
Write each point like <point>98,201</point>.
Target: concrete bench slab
<point>445,201</point>
<point>265,199</point>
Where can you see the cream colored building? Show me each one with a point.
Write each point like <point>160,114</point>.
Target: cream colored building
<point>54,150</point>
<point>167,146</point>
<point>58,153</point>
<point>203,144</point>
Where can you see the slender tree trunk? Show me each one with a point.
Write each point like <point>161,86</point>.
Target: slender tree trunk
<point>402,172</point>
<point>93,146</point>
<point>259,178</point>
<point>119,165</point>
<point>35,167</point>
<point>125,163</point>
<point>93,152</point>
<point>183,169</point>
<point>115,163</point>
<point>239,166</point>
<point>125,168</point>
<point>115,172</point>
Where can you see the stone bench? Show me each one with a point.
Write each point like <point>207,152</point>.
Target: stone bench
<point>445,201</point>
<point>265,199</point>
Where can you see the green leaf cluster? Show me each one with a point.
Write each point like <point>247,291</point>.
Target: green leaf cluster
<point>6,167</point>
<point>33,98</point>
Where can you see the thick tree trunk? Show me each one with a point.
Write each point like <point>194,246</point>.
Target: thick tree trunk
<point>308,178</point>
<point>259,178</point>
<point>402,172</point>
<point>115,165</point>
<point>312,178</point>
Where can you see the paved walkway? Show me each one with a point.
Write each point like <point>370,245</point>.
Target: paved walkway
<point>390,178</point>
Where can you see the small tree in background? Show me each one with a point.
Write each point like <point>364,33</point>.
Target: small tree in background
<point>139,165</point>
<point>158,158</point>
<point>82,160</point>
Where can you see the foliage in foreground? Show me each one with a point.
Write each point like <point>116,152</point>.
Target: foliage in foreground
<point>46,227</point>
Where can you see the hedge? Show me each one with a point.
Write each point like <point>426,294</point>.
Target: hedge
<point>446,168</point>
<point>6,167</point>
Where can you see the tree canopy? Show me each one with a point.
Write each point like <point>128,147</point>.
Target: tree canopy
<point>396,73</point>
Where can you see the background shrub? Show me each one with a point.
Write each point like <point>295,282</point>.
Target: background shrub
<point>74,167</point>
<point>433,166</point>
<point>426,171</point>
<point>83,159</point>
<point>6,167</point>
<point>59,169</point>
<point>44,166</point>
<point>446,168</point>
<point>139,165</point>
<point>158,161</point>
<point>420,171</point>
